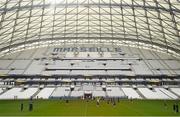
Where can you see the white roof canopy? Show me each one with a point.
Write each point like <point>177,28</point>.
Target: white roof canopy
<point>151,24</point>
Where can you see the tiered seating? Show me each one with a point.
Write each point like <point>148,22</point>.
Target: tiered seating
<point>153,94</point>
<point>1,90</point>
<point>19,64</point>
<point>26,54</point>
<point>114,92</point>
<point>131,93</point>
<point>19,93</point>
<point>60,92</point>
<point>85,54</point>
<point>99,94</point>
<point>5,63</point>
<point>34,68</point>
<point>168,93</point>
<point>39,53</point>
<point>45,93</point>
<point>4,71</point>
<point>91,72</point>
<point>77,93</point>
<point>141,68</point>
<point>11,94</point>
<point>16,72</point>
<point>173,64</point>
<point>26,94</point>
<point>176,91</point>
<point>87,87</point>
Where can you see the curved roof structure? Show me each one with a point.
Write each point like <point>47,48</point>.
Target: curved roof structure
<point>151,24</point>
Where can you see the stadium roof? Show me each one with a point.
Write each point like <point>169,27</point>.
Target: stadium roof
<point>150,24</point>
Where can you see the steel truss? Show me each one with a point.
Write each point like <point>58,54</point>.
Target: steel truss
<point>151,24</point>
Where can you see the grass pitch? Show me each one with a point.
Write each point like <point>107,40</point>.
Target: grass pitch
<point>88,108</point>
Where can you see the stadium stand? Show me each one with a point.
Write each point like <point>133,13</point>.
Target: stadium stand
<point>115,92</point>
<point>60,92</point>
<point>176,91</point>
<point>131,93</point>
<point>45,93</point>
<point>89,48</point>
<point>153,94</point>
<point>19,93</point>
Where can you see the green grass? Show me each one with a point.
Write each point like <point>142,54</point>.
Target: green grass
<point>84,108</point>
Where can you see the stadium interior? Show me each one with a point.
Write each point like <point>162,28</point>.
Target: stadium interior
<point>55,49</point>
